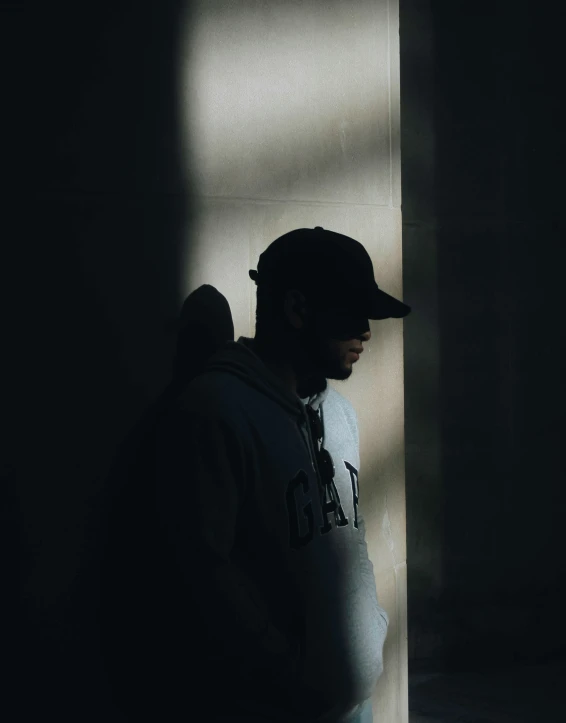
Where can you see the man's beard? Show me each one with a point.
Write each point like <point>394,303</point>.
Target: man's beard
<point>315,365</point>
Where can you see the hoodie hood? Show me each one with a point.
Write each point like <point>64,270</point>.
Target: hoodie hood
<point>239,358</point>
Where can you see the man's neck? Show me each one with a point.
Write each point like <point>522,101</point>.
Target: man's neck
<point>276,362</point>
<point>283,368</point>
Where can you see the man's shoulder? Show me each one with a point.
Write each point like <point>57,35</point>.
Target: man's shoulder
<point>214,394</point>
<point>339,401</point>
<point>344,408</point>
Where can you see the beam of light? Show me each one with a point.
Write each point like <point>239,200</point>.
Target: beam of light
<point>276,101</point>
<point>287,113</point>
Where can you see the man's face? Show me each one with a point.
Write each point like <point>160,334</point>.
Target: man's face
<point>327,342</point>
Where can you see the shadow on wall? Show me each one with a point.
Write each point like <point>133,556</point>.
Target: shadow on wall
<point>89,292</point>
<point>486,239</point>
<point>501,349</point>
<point>489,496</point>
<point>141,610</point>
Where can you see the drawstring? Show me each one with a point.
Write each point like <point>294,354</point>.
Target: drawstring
<point>317,431</point>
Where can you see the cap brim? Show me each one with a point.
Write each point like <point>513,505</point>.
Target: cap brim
<point>384,306</point>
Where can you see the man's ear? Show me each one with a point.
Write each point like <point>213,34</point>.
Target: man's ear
<point>295,308</point>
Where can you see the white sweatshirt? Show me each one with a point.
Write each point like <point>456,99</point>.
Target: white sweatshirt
<point>282,586</point>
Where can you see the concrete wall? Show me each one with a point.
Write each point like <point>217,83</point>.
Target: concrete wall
<point>483,236</point>
<point>291,118</point>
<point>425,493</point>
<point>96,213</point>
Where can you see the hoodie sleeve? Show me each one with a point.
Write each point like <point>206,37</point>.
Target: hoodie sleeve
<point>379,616</point>
<point>350,633</point>
<point>201,474</point>
<point>350,640</point>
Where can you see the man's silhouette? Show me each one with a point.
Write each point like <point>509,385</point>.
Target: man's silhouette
<point>257,467</point>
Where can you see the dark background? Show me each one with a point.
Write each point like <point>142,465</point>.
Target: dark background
<point>96,212</point>
<point>483,162</point>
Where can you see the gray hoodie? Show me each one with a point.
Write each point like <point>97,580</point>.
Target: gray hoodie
<point>288,611</point>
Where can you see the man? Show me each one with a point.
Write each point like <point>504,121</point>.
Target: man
<point>257,479</point>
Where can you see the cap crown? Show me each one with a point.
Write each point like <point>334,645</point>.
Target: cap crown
<point>324,262</point>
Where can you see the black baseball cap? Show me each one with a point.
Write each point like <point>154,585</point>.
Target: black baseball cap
<point>336,269</point>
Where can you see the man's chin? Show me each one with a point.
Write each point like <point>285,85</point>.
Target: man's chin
<point>340,374</point>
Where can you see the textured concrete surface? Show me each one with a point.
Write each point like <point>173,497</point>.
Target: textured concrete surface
<point>484,391</point>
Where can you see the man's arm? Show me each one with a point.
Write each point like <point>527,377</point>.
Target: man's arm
<point>354,632</point>
<point>368,575</point>
<point>201,479</point>
<point>201,485</point>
